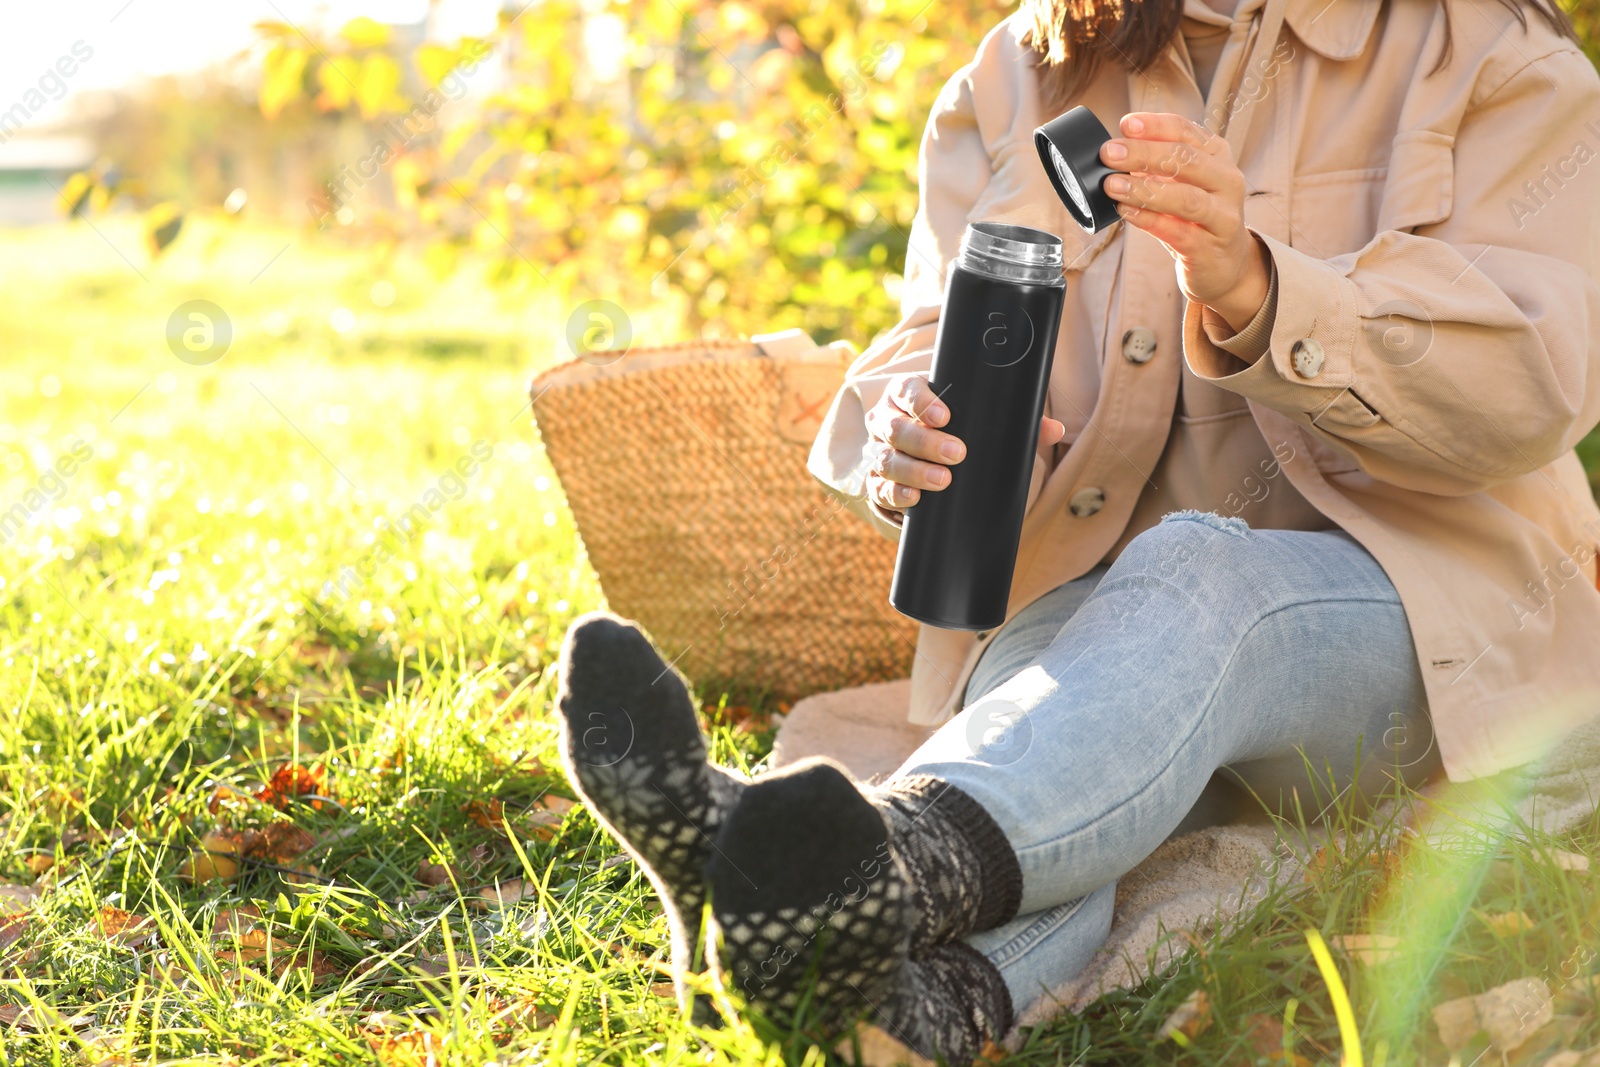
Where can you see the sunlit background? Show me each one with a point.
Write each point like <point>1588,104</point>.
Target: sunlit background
<point>284,563</point>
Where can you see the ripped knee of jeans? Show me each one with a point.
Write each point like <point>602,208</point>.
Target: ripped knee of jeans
<point>1228,524</point>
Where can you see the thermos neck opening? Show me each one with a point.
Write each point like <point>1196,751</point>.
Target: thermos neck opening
<point>1015,253</point>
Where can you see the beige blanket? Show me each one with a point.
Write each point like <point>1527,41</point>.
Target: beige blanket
<point>1200,882</point>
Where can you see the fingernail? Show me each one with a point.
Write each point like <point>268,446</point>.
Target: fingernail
<point>938,476</point>
<point>937,410</point>
<point>903,493</point>
<point>950,450</point>
<point>1133,125</point>
<point>1117,184</point>
<point>1115,150</point>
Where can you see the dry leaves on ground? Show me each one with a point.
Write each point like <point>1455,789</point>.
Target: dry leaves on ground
<point>1570,861</point>
<point>41,1017</point>
<point>291,781</point>
<point>221,851</point>
<point>540,823</point>
<point>430,873</point>
<point>1367,949</point>
<point>1190,1019</point>
<point>261,951</point>
<point>123,927</point>
<point>1509,1014</point>
<point>17,897</point>
<point>1266,1037</point>
<point>1507,923</point>
<point>509,892</point>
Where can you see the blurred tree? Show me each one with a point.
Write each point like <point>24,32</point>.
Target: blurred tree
<point>1586,17</point>
<point>754,163</point>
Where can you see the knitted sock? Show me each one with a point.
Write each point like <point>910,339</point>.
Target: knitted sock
<point>811,912</point>
<point>632,747</point>
<point>948,1002</point>
<point>963,872</point>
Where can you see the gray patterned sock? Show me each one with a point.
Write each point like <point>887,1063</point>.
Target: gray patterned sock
<point>948,1001</point>
<point>633,749</point>
<point>963,872</point>
<point>811,912</point>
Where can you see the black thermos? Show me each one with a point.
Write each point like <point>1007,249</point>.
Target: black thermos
<point>991,367</point>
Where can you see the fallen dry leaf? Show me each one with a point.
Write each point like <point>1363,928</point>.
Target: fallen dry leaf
<point>227,797</point>
<point>73,836</point>
<point>509,892</point>
<point>437,873</point>
<point>488,814</point>
<point>559,805</point>
<point>431,966</point>
<point>281,842</point>
<point>1509,1013</point>
<point>290,781</point>
<point>1457,1021</point>
<point>542,825</point>
<point>1191,1018</point>
<point>1569,1058</point>
<point>305,875</point>
<point>414,1048</point>
<point>235,920</point>
<point>1570,861</point>
<point>663,989</point>
<point>1367,949</point>
<point>879,1047</point>
<point>41,1017</point>
<point>19,895</point>
<point>1266,1037</point>
<point>124,927</point>
<point>38,863</point>
<point>257,946</point>
<point>11,930</point>
<point>1508,923</point>
<point>256,943</point>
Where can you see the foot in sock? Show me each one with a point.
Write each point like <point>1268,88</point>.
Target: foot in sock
<point>818,895</point>
<point>811,914</point>
<point>633,749</point>
<point>947,1003</point>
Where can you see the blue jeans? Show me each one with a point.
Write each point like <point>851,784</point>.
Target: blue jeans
<point>1210,662</point>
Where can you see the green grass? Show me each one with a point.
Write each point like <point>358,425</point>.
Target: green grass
<point>167,634</point>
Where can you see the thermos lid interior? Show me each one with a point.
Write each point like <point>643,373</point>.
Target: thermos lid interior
<point>1015,244</point>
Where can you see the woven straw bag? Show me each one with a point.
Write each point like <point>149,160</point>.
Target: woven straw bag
<point>685,470</point>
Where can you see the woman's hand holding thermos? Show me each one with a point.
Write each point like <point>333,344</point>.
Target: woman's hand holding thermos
<point>913,454</point>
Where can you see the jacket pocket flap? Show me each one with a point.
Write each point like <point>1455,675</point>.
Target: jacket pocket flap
<point>1421,186</point>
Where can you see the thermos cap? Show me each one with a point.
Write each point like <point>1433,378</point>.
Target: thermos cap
<point>1069,148</point>
<point>1015,253</point>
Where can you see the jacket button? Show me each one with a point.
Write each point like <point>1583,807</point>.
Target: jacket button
<point>1086,502</point>
<point>1306,357</point>
<point>1138,345</point>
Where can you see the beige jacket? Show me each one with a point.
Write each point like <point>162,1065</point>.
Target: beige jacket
<point>1428,359</point>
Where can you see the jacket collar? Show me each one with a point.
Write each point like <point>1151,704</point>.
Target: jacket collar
<point>1334,29</point>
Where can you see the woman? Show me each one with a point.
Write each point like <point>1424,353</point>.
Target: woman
<point>1305,514</point>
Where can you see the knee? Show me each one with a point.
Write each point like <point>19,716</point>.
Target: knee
<point>1186,546</point>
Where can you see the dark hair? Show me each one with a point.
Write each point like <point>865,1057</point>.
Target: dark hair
<point>1072,37</point>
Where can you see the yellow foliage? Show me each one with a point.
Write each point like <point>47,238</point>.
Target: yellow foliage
<point>434,61</point>
<point>377,85</point>
<point>337,77</point>
<point>281,74</point>
<point>364,32</point>
<point>765,152</point>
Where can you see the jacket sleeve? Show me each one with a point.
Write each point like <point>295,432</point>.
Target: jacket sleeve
<point>953,167</point>
<point>1461,353</point>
